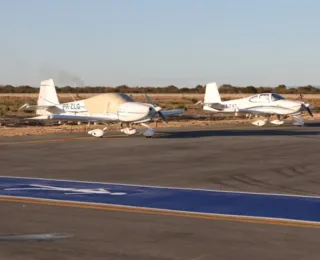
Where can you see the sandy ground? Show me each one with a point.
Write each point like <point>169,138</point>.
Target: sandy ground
<point>39,130</point>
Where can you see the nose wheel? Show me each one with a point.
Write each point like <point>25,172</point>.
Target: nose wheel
<point>130,130</point>
<point>149,132</point>
<point>298,121</point>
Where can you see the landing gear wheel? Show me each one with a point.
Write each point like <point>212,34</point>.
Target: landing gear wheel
<point>129,131</point>
<point>149,132</point>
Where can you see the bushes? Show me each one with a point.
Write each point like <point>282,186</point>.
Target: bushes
<point>225,88</point>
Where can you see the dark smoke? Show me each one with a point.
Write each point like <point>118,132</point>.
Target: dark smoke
<point>61,77</point>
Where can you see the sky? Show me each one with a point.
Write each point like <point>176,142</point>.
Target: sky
<point>159,43</point>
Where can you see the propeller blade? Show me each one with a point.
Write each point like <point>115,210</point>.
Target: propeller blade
<point>309,111</point>
<point>163,117</point>
<point>307,107</point>
<point>149,99</point>
<point>157,108</point>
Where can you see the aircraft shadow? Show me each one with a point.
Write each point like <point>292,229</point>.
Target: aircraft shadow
<point>312,124</point>
<point>303,131</point>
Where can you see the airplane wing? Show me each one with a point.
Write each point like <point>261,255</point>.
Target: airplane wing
<point>165,113</point>
<point>172,112</point>
<point>66,117</point>
<point>255,112</point>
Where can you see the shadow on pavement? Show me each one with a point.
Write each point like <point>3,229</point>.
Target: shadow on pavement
<point>307,130</point>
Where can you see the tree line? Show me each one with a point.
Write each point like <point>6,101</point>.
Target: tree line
<point>199,89</point>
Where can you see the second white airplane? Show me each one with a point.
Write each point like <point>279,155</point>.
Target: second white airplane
<point>264,104</point>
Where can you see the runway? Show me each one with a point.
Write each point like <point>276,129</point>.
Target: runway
<point>236,158</point>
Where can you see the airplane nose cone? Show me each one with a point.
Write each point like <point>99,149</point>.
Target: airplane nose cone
<point>307,105</point>
<point>157,108</point>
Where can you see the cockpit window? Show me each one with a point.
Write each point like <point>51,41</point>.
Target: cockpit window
<point>254,98</point>
<point>276,97</point>
<point>126,97</point>
<point>264,97</point>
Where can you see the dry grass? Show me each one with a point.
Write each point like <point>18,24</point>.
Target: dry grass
<point>162,96</point>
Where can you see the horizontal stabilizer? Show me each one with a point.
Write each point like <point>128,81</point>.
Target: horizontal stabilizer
<point>217,106</point>
<point>34,107</point>
<point>60,117</point>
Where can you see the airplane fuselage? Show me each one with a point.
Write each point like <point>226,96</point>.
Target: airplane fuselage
<point>261,103</point>
<point>113,110</point>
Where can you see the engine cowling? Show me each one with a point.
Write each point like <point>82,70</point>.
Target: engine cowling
<point>133,111</point>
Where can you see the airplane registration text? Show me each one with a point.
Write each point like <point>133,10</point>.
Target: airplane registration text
<point>74,106</point>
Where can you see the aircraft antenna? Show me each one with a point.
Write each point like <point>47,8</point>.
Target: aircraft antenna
<point>72,97</point>
<point>240,93</point>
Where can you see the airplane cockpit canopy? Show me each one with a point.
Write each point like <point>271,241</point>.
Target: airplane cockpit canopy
<point>266,97</point>
<point>126,97</point>
<point>276,97</point>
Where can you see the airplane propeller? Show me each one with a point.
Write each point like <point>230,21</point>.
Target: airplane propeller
<point>306,105</point>
<point>157,109</point>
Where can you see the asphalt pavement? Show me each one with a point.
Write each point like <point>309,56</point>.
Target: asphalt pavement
<point>232,157</point>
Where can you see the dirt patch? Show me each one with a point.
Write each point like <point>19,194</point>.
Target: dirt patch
<point>39,130</point>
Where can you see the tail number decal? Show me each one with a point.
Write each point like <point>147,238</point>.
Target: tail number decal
<point>71,106</point>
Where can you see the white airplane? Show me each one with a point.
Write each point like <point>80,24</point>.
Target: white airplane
<point>264,104</point>
<point>107,108</point>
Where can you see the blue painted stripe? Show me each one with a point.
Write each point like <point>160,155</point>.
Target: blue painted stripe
<point>302,208</point>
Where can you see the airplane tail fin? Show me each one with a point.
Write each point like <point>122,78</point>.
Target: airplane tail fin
<point>47,95</point>
<point>212,93</point>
